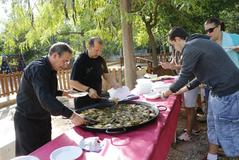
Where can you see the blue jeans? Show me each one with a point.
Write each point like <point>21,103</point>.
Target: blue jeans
<point>223,122</point>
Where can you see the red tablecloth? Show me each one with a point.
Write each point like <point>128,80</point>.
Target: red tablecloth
<point>150,142</point>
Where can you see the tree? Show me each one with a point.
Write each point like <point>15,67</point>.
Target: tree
<point>32,27</point>
<point>127,40</point>
<point>149,15</point>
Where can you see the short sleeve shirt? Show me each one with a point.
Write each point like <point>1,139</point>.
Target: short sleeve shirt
<point>88,71</point>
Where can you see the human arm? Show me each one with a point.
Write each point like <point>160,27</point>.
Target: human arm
<point>182,90</point>
<point>172,65</point>
<point>190,59</point>
<point>107,77</point>
<point>76,119</point>
<point>44,86</point>
<point>79,70</point>
<point>235,40</point>
<point>111,81</point>
<point>167,93</point>
<point>191,85</point>
<point>236,48</point>
<point>81,87</point>
<point>63,93</point>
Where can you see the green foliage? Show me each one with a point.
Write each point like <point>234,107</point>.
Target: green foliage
<point>231,19</point>
<point>32,29</point>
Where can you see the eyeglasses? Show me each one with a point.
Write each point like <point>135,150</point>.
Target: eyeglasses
<point>210,30</point>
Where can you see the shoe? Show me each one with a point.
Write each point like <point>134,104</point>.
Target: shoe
<point>202,117</point>
<point>205,157</point>
<point>194,132</point>
<point>220,152</point>
<point>184,137</point>
<point>199,110</point>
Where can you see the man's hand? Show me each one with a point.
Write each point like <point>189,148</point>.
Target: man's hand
<point>167,93</point>
<point>167,65</point>
<point>66,93</point>
<point>77,120</point>
<point>93,93</point>
<point>236,48</point>
<point>116,85</point>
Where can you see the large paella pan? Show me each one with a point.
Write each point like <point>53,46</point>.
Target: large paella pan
<point>124,116</point>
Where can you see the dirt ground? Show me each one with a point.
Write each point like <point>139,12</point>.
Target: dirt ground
<point>195,149</point>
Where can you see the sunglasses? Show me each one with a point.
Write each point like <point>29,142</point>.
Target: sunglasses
<point>210,30</point>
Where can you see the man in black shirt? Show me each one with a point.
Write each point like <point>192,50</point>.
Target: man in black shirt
<point>87,73</point>
<point>36,100</point>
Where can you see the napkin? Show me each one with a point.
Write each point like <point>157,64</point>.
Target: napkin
<point>119,93</point>
<point>91,144</point>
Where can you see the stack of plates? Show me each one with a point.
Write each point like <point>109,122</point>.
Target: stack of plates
<point>152,95</point>
<point>160,86</point>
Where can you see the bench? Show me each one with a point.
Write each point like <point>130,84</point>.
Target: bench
<point>9,84</point>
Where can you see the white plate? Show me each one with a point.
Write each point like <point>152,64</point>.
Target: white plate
<point>66,153</point>
<point>152,95</point>
<point>26,158</point>
<point>78,94</point>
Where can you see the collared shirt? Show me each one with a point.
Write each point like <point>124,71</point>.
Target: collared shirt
<point>36,98</point>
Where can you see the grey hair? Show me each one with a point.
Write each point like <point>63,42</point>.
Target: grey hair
<point>95,39</point>
<point>60,48</point>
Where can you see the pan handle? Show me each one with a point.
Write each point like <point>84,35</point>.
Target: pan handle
<point>109,131</point>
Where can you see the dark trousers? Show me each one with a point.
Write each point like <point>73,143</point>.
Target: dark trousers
<point>30,133</point>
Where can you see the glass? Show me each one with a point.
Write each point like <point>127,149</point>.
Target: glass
<point>210,30</point>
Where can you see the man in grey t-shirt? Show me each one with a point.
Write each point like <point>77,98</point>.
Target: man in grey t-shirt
<point>209,63</point>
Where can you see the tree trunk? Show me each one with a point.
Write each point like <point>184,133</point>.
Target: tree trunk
<point>127,40</point>
<point>153,46</point>
<point>84,45</point>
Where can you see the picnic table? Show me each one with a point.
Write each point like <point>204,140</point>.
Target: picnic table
<point>149,142</point>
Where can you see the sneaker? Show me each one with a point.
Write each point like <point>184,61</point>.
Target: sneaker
<point>199,110</point>
<point>220,151</point>
<point>194,132</point>
<point>184,137</point>
<point>205,157</point>
<point>202,117</point>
